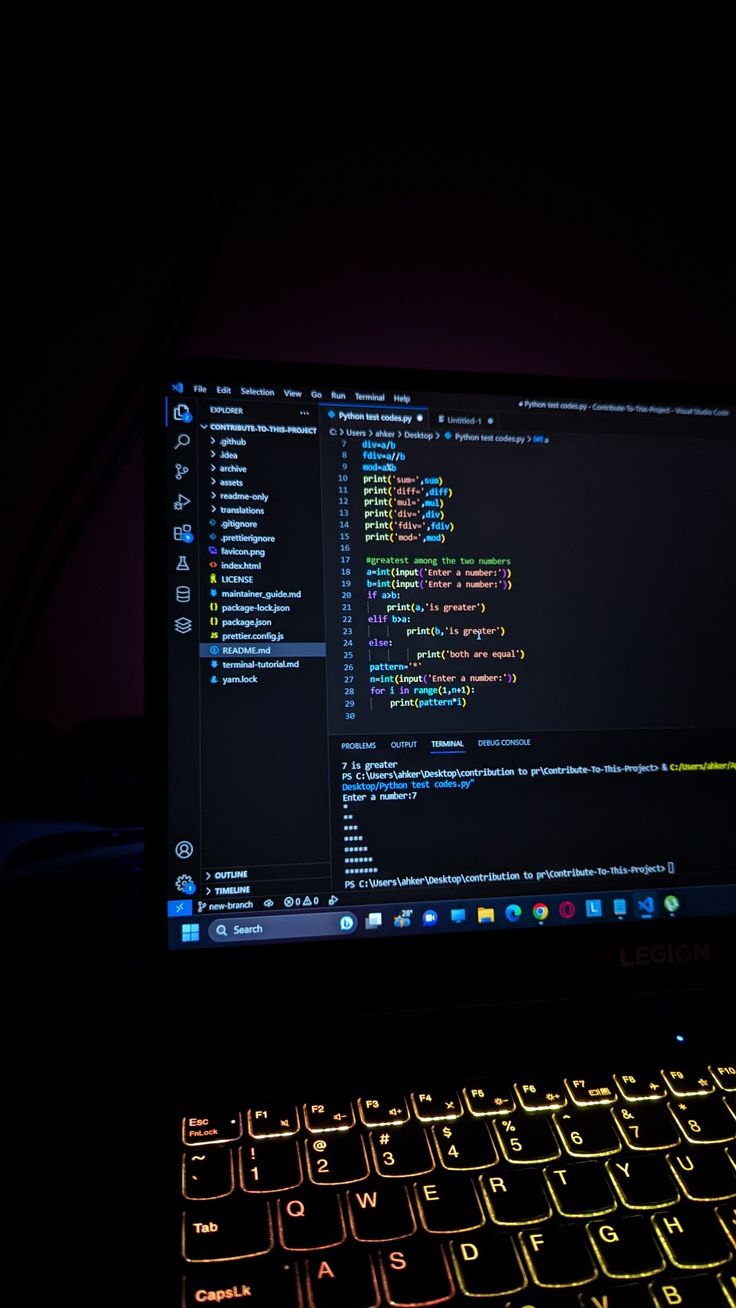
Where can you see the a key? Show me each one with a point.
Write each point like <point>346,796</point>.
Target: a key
<point>310,1219</point>
<point>267,1120</point>
<point>208,1173</point>
<point>336,1159</point>
<point>382,1111</point>
<point>646,1126</point>
<point>448,1205</point>
<point>489,1101</point>
<point>686,1084</point>
<point>637,1088</point>
<point>516,1198</point>
<point>727,1217</point>
<point>329,1117</point>
<point>703,1174</point>
<point>725,1077</point>
<point>625,1247</point>
<point>403,1152</point>
<point>380,1211</point>
<point>687,1292</point>
<point>587,1134</point>
<point>540,1096</point>
<point>692,1237</point>
<point>487,1264</point>
<point>436,1105</point>
<point>642,1181</point>
<point>239,1228</point>
<point>464,1146</point>
<point>706,1121</point>
<point>415,1273</point>
<point>342,1278</point>
<point>586,1093</point>
<point>220,1129</point>
<point>580,1190</point>
<point>526,1139</point>
<point>263,1282</point>
<point>557,1255</point>
<point>268,1165</point>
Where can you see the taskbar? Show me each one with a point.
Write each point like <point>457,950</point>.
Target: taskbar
<point>488,914</point>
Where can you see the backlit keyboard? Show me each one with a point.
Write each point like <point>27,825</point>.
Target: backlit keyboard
<point>587,1192</point>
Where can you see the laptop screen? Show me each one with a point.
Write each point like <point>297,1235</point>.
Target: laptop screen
<point>444,654</point>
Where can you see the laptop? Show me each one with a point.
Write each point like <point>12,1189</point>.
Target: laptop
<point>441,684</point>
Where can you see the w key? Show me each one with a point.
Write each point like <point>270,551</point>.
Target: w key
<point>380,1211</point>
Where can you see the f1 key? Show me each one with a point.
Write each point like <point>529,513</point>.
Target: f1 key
<point>266,1121</point>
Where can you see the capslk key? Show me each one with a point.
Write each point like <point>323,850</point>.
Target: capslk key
<point>262,1282</point>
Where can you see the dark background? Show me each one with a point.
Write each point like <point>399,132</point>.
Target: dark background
<point>530,233</point>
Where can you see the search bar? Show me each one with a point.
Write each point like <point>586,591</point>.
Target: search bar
<point>291,926</point>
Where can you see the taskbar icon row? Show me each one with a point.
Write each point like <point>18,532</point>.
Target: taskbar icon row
<point>527,911</point>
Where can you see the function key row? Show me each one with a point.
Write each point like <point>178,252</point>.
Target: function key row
<point>268,1121</point>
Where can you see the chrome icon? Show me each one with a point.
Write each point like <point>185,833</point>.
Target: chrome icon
<point>540,912</point>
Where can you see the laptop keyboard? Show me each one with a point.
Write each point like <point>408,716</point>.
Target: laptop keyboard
<point>587,1192</point>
